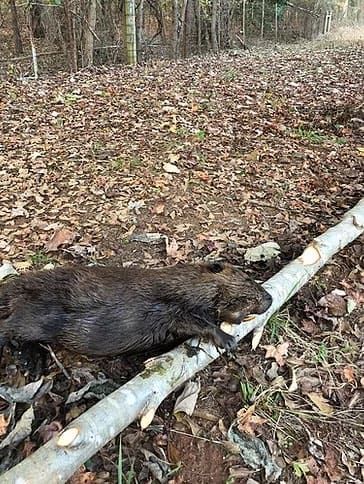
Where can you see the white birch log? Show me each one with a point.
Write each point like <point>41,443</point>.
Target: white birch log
<point>57,460</point>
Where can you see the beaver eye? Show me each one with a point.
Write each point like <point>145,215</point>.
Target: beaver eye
<point>216,267</point>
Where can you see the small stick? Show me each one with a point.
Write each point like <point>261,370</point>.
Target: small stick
<point>57,362</point>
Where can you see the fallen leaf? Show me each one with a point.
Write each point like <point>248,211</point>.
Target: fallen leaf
<point>349,374</point>
<point>60,237</point>
<point>19,212</point>
<point>351,304</point>
<point>320,402</point>
<point>332,466</point>
<point>348,463</point>
<point>83,477</point>
<point>254,453</point>
<point>26,393</point>
<point>4,423</point>
<point>173,158</point>
<point>171,168</point>
<point>22,429</point>
<point>248,422</point>
<point>48,431</point>
<point>152,238</point>
<point>335,303</point>
<point>22,265</point>
<point>158,209</point>
<point>266,251</point>
<point>28,448</point>
<point>172,248</point>
<point>6,269</point>
<point>277,352</point>
<point>309,326</point>
<point>187,400</point>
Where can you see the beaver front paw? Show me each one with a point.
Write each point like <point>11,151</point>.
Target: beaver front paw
<point>226,341</point>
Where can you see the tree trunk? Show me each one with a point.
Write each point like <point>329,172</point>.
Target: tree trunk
<point>183,28</point>
<point>71,37</point>
<point>244,23</point>
<point>58,459</point>
<point>35,9</point>
<point>140,25</point>
<point>32,44</point>
<point>175,29</point>
<point>214,18</point>
<point>18,44</point>
<point>198,22</point>
<point>130,32</point>
<point>262,20</point>
<point>88,59</point>
<point>276,21</point>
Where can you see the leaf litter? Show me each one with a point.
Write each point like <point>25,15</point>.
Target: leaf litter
<point>144,168</point>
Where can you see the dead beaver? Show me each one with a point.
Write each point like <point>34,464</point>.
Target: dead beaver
<point>102,311</point>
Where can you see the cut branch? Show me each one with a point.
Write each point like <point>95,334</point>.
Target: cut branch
<point>57,460</point>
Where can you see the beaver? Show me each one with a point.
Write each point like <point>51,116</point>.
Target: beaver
<point>105,311</point>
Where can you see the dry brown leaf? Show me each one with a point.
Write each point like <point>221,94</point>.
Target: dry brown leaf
<point>22,265</point>
<point>332,465</point>
<point>173,157</point>
<point>83,477</point>
<point>173,453</point>
<point>172,248</point>
<point>321,403</point>
<point>349,374</point>
<point>335,303</point>
<point>203,175</point>
<point>309,326</point>
<point>278,352</point>
<point>4,423</point>
<point>60,237</point>
<point>248,422</point>
<point>28,448</point>
<point>48,431</point>
<point>316,480</point>
<point>158,209</point>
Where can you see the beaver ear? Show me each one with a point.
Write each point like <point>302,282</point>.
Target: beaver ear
<point>214,267</point>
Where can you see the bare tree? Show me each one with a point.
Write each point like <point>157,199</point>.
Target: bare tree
<point>214,18</point>
<point>35,9</point>
<point>175,28</point>
<point>88,59</point>
<point>262,20</point>
<point>140,24</point>
<point>130,32</point>
<point>71,36</point>
<point>198,22</point>
<point>16,31</point>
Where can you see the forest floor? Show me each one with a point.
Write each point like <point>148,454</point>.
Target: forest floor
<point>213,155</point>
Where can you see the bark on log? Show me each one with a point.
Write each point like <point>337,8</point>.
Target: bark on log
<point>57,460</point>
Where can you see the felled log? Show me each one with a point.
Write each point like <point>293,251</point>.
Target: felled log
<point>57,460</point>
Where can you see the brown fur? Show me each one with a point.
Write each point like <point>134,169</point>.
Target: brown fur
<point>107,311</point>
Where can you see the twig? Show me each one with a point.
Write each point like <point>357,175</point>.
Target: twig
<point>57,362</point>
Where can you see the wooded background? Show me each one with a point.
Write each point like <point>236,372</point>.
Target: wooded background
<point>72,34</point>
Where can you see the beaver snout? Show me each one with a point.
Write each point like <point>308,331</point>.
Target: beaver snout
<point>266,303</point>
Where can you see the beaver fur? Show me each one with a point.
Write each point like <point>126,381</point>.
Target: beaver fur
<point>102,311</point>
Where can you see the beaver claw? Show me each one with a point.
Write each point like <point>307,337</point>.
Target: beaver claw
<point>226,341</point>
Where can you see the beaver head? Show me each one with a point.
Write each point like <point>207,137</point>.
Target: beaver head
<point>238,294</point>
